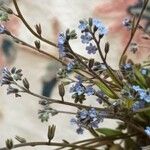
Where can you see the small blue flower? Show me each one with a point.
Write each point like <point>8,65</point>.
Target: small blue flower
<point>61,41</point>
<point>80,90</point>
<point>143,94</point>
<point>147,131</point>
<point>127,66</point>
<point>83,25</point>
<point>136,88</point>
<point>138,105</point>
<point>103,30</point>
<point>144,71</point>
<point>88,118</point>
<point>101,96</point>
<point>83,114</point>
<point>86,38</point>
<point>77,88</point>
<point>147,97</point>
<point>61,38</point>
<point>91,49</point>
<point>70,66</point>
<point>127,23</point>
<point>73,121</point>
<point>93,113</point>
<point>80,130</point>
<point>89,90</point>
<point>97,23</point>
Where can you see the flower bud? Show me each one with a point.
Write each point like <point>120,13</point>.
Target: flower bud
<point>38,29</point>
<point>106,47</point>
<point>26,83</point>
<point>20,139</point>
<point>37,44</point>
<point>51,132</point>
<point>9,143</point>
<point>61,90</point>
<point>91,63</point>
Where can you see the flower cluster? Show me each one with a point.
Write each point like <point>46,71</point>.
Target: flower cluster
<point>141,94</point>
<point>87,119</point>
<point>79,90</point>
<point>88,29</point>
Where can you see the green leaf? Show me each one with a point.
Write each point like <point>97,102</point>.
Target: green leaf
<point>107,90</point>
<point>140,78</point>
<point>109,132</point>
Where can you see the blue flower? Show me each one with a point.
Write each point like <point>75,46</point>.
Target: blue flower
<point>97,23</point>
<point>73,121</point>
<point>70,66</point>
<point>142,93</point>
<point>83,25</point>
<point>87,118</point>
<point>61,41</point>
<point>91,49</point>
<point>83,114</point>
<point>127,23</point>
<point>147,97</point>
<point>86,38</point>
<point>6,77</point>
<point>147,131</point>
<point>127,66</point>
<point>80,130</point>
<point>144,71</point>
<point>102,29</point>
<point>89,90</point>
<point>136,88</point>
<point>61,38</point>
<point>101,95</point>
<point>77,88</point>
<point>138,105</point>
<point>92,113</point>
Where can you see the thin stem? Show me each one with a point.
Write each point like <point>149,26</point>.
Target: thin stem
<point>29,28</point>
<point>50,100</point>
<point>32,47</point>
<point>104,60</point>
<point>47,144</point>
<point>134,31</point>
<point>100,139</point>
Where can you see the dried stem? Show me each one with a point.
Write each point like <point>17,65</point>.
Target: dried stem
<point>134,30</point>
<point>48,144</point>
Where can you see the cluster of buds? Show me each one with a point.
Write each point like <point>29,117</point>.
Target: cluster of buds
<point>10,78</point>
